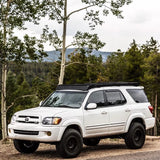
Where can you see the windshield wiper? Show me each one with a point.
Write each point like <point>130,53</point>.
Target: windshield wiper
<point>47,106</point>
<point>65,106</point>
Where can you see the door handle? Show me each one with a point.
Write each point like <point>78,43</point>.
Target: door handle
<point>127,110</point>
<point>104,112</point>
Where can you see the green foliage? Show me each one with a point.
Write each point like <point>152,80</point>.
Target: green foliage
<point>134,60</point>
<point>16,12</point>
<point>126,66</point>
<point>42,88</point>
<point>20,78</point>
<point>151,77</point>
<point>151,46</point>
<point>19,94</point>
<point>53,38</point>
<point>87,42</point>
<point>94,10</point>
<point>84,68</point>
<point>116,66</point>
<point>11,88</point>
<point>13,15</point>
<point>19,51</point>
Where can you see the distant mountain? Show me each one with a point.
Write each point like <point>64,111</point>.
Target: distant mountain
<point>54,55</point>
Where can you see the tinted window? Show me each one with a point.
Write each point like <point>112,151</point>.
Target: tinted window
<point>97,97</point>
<point>138,95</point>
<point>115,98</point>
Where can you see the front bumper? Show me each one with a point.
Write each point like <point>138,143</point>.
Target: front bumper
<point>43,133</point>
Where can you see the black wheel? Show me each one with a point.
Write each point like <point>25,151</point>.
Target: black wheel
<point>91,141</point>
<point>71,144</point>
<point>26,146</point>
<point>135,137</point>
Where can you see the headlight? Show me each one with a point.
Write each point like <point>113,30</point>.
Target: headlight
<point>51,120</point>
<point>13,119</point>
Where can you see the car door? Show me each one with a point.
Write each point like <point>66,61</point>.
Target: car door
<point>118,111</point>
<point>96,120</point>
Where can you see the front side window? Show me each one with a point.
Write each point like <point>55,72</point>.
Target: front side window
<point>65,99</point>
<point>115,98</point>
<point>97,97</point>
<point>138,95</point>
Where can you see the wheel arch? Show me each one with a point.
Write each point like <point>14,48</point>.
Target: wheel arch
<point>76,127</point>
<point>70,126</point>
<point>139,119</point>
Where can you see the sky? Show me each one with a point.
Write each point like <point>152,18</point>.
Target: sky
<point>141,22</point>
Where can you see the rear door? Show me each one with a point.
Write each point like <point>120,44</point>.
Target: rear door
<point>118,110</point>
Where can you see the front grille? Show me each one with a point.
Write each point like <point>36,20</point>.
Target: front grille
<point>35,117</point>
<point>27,122</point>
<point>28,119</point>
<point>26,132</point>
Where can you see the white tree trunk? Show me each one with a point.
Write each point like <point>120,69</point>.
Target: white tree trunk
<point>63,61</point>
<point>155,115</point>
<point>3,102</point>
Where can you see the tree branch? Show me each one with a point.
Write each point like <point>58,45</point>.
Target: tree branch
<point>12,104</point>
<point>72,44</point>
<point>56,9</point>
<point>78,63</point>
<point>78,10</point>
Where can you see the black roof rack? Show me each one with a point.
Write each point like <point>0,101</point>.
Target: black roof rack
<point>87,86</point>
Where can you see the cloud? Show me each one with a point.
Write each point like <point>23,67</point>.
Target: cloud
<point>141,18</point>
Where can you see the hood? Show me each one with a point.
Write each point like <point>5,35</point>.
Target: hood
<point>42,111</point>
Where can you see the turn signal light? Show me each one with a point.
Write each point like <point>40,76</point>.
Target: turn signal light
<point>56,121</point>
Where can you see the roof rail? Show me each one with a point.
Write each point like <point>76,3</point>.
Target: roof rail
<point>87,86</point>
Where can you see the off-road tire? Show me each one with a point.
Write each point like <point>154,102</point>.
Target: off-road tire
<point>71,144</point>
<point>91,141</point>
<point>25,146</point>
<point>135,137</point>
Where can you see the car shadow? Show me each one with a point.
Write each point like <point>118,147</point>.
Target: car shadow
<point>103,147</point>
<point>52,153</point>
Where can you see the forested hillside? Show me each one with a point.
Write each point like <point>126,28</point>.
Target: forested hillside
<point>54,56</point>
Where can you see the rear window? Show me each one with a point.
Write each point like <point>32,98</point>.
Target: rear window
<point>115,98</point>
<point>138,95</point>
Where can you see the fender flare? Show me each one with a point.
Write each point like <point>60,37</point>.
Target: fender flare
<point>70,122</point>
<point>134,117</point>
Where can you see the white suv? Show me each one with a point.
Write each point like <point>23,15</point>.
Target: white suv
<point>77,114</point>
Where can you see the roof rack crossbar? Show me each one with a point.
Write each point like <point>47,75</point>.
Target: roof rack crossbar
<point>87,86</point>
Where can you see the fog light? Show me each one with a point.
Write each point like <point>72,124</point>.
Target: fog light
<point>48,133</point>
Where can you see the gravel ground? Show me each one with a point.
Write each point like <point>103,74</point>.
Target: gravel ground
<point>151,155</point>
<point>106,148</point>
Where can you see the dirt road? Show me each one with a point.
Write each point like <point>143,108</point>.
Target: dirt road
<point>106,148</point>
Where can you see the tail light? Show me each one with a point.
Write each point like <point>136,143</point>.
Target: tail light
<point>151,109</point>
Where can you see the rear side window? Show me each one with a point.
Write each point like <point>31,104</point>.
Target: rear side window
<point>138,95</point>
<point>114,97</point>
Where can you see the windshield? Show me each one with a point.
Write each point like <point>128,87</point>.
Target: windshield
<point>67,99</point>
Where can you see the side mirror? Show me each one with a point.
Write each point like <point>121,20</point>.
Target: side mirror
<point>40,103</point>
<point>91,106</point>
